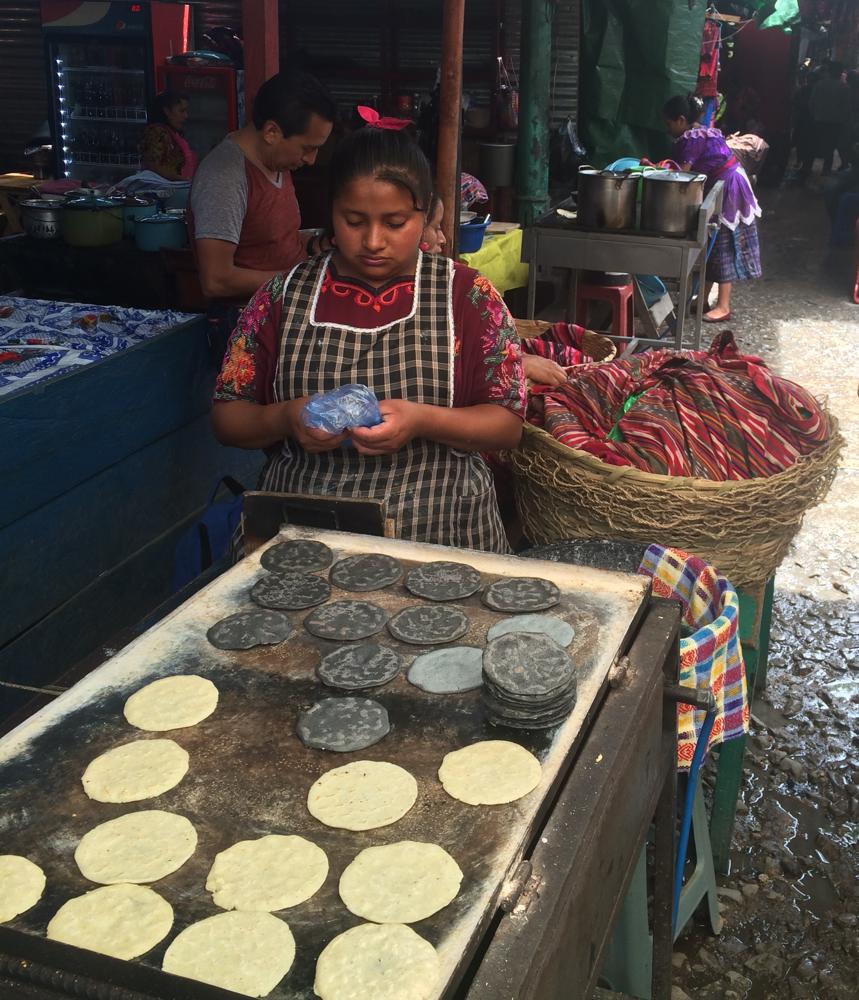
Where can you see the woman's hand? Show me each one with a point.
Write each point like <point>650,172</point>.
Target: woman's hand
<point>401,422</point>
<point>542,370</point>
<point>309,438</point>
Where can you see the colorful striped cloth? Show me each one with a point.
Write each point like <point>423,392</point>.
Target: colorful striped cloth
<point>714,414</point>
<point>711,657</point>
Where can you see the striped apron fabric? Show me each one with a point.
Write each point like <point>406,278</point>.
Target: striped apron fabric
<point>432,493</point>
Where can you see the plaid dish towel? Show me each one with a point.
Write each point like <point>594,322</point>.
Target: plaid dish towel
<point>711,657</point>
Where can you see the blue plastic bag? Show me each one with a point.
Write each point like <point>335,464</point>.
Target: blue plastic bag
<point>347,406</point>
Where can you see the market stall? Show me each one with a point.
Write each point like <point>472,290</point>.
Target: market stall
<point>561,240</point>
<point>543,873</point>
<point>105,435</point>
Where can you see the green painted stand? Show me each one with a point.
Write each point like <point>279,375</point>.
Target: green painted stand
<point>755,620</point>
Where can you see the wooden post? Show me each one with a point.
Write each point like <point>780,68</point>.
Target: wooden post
<point>449,117</point>
<point>261,45</point>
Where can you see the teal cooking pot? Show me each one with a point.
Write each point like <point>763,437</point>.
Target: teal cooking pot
<point>165,230</point>
<point>135,207</point>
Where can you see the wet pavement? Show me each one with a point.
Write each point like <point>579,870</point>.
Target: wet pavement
<point>791,903</point>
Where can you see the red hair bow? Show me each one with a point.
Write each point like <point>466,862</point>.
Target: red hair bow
<point>375,120</point>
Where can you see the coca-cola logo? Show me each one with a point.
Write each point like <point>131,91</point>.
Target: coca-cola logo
<point>199,83</point>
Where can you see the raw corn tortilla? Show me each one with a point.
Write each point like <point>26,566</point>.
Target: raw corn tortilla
<point>428,625</point>
<point>248,953</point>
<point>267,874</point>
<point>521,593</point>
<point>346,620</point>
<point>135,771</point>
<point>138,847</point>
<point>363,795</point>
<point>343,724</point>
<point>549,625</point>
<point>448,671</point>
<point>400,883</point>
<point>443,581</point>
<point>172,703</point>
<point>21,885</point>
<point>290,591</point>
<point>352,668</point>
<point>296,554</point>
<point>365,572</point>
<point>246,629</point>
<point>123,921</point>
<point>489,773</point>
<point>377,962</point>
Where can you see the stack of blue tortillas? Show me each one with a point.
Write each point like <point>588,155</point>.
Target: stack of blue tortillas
<point>529,681</point>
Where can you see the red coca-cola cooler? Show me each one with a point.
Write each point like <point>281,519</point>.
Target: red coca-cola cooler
<point>216,101</point>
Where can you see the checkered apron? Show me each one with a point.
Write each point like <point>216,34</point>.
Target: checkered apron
<point>432,493</point>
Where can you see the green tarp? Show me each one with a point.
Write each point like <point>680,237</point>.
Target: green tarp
<point>635,55</point>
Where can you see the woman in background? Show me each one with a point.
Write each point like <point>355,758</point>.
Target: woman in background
<point>163,148</point>
<point>736,254</point>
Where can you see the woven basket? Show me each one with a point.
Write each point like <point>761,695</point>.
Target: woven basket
<point>743,527</point>
<point>593,345</point>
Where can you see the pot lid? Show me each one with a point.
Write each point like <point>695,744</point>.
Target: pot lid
<point>678,176</point>
<point>159,217</point>
<point>84,203</point>
<point>37,203</point>
<point>135,201</point>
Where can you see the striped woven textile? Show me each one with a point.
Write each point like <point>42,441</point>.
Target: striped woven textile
<point>714,414</point>
<point>561,343</point>
<point>711,657</point>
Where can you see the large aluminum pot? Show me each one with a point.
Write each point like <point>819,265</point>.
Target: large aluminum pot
<point>91,222</point>
<point>670,201</point>
<point>606,198</point>
<point>40,219</point>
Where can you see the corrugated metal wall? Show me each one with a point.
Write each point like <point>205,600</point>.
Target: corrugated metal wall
<point>566,41</point>
<point>361,35</point>
<point>23,80</point>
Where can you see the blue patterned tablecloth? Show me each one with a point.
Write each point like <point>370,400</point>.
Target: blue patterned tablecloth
<point>40,339</point>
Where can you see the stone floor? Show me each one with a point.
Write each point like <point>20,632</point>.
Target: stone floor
<point>791,904</point>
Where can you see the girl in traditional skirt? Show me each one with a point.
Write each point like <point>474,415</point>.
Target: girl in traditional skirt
<point>431,338</point>
<point>736,254</point>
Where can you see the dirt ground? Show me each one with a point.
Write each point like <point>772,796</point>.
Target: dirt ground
<point>791,903</point>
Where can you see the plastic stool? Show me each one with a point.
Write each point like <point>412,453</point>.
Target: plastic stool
<point>618,296</point>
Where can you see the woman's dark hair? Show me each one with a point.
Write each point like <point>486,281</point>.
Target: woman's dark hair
<point>686,106</point>
<point>385,155</point>
<point>289,99</point>
<point>162,103</point>
<point>434,202</point>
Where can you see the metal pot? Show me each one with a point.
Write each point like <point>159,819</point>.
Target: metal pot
<point>135,207</point>
<point>670,201</point>
<point>40,219</point>
<point>163,230</point>
<point>91,222</point>
<point>606,198</point>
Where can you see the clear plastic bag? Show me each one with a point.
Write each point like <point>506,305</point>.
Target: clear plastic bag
<point>347,406</point>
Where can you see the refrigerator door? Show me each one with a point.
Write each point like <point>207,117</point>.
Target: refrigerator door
<point>99,88</point>
<point>213,102</point>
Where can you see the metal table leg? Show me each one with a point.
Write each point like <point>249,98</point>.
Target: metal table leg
<point>699,305</point>
<point>532,286</point>
<point>682,302</point>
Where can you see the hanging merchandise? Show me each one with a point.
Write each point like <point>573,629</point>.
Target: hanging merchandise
<point>508,99</point>
<point>708,67</point>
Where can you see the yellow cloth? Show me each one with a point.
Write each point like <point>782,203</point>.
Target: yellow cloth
<point>499,259</point>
